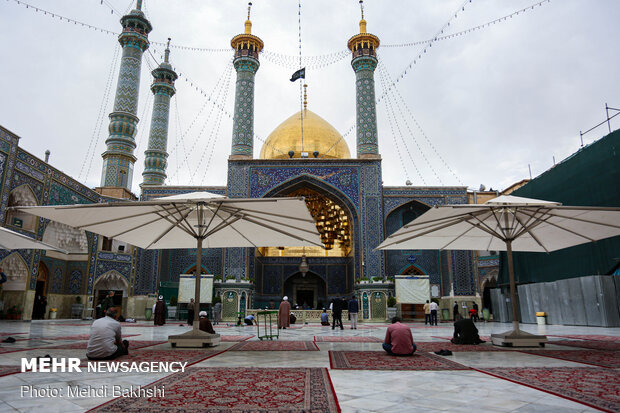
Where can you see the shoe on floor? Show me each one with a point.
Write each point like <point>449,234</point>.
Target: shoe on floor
<point>9,340</point>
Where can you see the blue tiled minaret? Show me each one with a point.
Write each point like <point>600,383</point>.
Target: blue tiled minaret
<point>364,48</point>
<point>118,159</point>
<point>155,157</point>
<point>247,47</point>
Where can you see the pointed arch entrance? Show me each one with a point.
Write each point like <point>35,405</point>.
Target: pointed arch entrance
<point>310,289</point>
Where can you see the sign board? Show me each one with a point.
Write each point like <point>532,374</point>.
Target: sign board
<point>412,289</point>
<point>187,288</point>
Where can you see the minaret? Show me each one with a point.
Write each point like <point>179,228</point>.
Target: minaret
<point>364,48</point>
<point>118,159</point>
<point>155,156</point>
<point>247,47</point>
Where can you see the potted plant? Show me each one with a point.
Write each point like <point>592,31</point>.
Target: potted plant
<point>391,307</point>
<point>231,279</point>
<point>377,279</point>
<point>217,279</point>
<point>362,280</point>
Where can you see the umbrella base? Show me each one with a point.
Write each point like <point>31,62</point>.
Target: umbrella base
<point>518,338</point>
<point>194,338</point>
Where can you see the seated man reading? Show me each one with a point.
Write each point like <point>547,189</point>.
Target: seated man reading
<point>204,324</point>
<point>398,339</point>
<point>105,338</point>
<point>465,331</point>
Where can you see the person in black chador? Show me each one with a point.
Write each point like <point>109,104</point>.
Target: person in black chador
<point>337,307</point>
<point>465,331</point>
<point>190,312</point>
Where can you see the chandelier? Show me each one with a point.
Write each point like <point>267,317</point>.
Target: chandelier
<point>331,220</point>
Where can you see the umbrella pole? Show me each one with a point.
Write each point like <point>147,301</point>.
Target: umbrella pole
<point>513,288</point>
<point>197,282</point>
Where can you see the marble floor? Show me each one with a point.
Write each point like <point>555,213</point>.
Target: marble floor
<point>356,390</point>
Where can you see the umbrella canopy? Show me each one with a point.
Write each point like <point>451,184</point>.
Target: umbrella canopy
<point>11,240</point>
<point>529,224</point>
<point>178,221</point>
<point>193,220</point>
<point>506,223</point>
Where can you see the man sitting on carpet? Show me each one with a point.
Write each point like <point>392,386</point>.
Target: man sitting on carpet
<point>398,339</point>
<point>105,338</point>
<point>204,323</point>
<point>465,331</point>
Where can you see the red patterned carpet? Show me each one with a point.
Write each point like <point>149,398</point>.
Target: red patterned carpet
<point>595,387</point>
<point>6,370</point>
<point>237,390</point>
<point>380,360</point>
<point>133,344</point>
<point>10,334</point>
<point>485,338</point>
<point>168,356</point>
<point>432,346</point>
<point>592,344</point>
<point>234,338</point>
<point>592,337</point>
<point>79,337</point>
<point>275,345</point>
<point>4,350</point>
<point>600,358</point>
<point>342,339</point>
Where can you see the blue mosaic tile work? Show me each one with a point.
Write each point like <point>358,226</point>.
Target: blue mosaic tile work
<point>243,118</point>
<point>395,197</point>
<point>181,261</point>
<point>463,272</point>
<point>445,273</point>
<point>57,280</point>
<point>76,276</point>
<point>146,272</point>
<point>93,240</point>
<point>343,177</point>
<point>337,280</point>
<point>372,220</point>
<point>367,141</point>
<point>9,145</point>
<point>427,261</point>
<point>152,192</point>
<point>238,180</point>
<point>35,186</point>
<point>104,266</point>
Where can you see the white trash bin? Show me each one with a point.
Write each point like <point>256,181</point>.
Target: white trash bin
<point>541,318</point>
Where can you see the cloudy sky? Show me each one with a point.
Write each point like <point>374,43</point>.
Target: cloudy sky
<point>473,109</point>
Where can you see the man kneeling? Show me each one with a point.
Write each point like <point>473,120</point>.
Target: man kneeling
<point>465,331</point>
<point>398,339</point>
<point>105,338</point>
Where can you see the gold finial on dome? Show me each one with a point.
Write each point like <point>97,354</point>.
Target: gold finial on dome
<point>305,96</point>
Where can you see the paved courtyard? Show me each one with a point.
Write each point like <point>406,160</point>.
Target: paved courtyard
<point>310,366</point>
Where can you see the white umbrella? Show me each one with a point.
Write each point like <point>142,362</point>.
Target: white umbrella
<point>11,240</point>
<point>507,223</point>
<point>193,220</point>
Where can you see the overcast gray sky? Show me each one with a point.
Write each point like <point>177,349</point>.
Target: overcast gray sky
<point>489,102</point>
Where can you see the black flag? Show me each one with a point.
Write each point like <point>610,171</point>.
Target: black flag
<point>300,74</point>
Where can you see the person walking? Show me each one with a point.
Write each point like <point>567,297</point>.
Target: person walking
<point>217,312</point>
<point>353,308</point>
<point>284,313</point>
<point>427,313</point>
<point>455,311</point>
<point>434,307</point>
<point>191,312</point>
<point>337,308</point>
<point>159,309</point>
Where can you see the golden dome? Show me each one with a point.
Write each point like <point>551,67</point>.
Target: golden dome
<point>319,136</point>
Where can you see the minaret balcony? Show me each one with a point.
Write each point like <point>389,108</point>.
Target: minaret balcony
<point>246,53</point>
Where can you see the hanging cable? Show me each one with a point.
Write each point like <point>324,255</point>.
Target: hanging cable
<point>301,97</point>
<point>100,117</point>
<point>392,121</point>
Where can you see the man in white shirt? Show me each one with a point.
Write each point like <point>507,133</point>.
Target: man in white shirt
<point>105,338</point>
<point>434,307</point>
